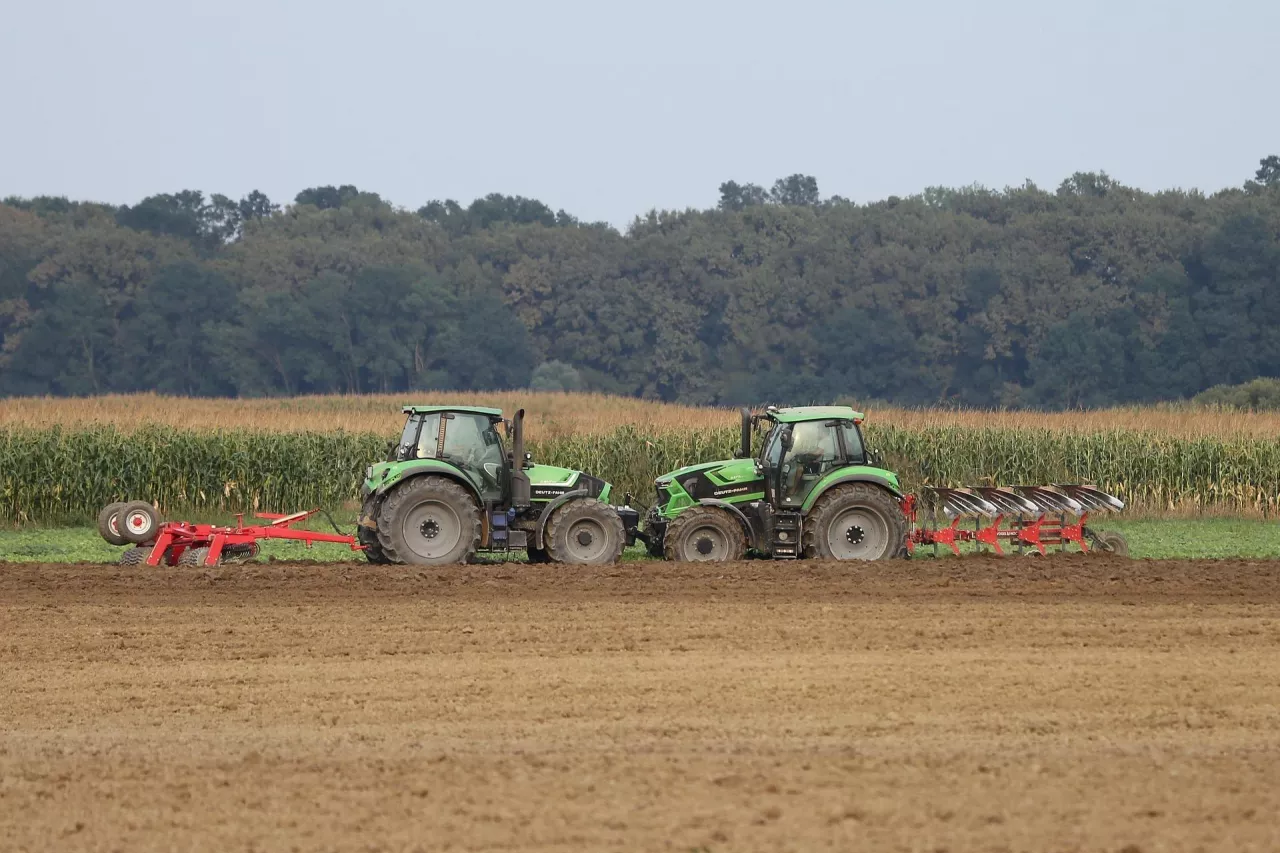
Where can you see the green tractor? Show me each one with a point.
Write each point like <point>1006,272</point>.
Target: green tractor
<point>448,489</point>
<point>814,491</point>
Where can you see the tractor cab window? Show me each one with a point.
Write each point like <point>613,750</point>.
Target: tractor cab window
<point>814,453</point>
<point>471,442</point>
<point>855,453</point>
<point>421,433</point>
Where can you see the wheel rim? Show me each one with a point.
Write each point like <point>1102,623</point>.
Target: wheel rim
<point>138,522</point>
<point>432,529</point>
<point>587,540</point>
<point>858,533</point>
<point>706,542</point>
<point>113,524</point>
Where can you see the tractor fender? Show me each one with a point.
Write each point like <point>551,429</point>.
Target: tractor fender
<point>860,477</point>
<point>551,507</point>
<point>369,510</point>
<point>736,513</point>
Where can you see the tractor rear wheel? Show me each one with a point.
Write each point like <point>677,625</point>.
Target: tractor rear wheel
<point>429,521</point>
<point>704,533</point>
<point>585,532</point>
<point>857,521</point>
<point>109,524</point>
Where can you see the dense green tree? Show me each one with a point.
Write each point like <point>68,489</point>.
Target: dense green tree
<point>1097,293</point>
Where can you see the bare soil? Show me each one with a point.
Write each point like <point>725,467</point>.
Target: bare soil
<point>1065,703</point>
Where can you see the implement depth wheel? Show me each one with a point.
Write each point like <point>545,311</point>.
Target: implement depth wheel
<point>429,521</point>
<point>138,522</point>
<point>585,532</point>
<point>703,534</point>
<point>857,521</point>
<point>1112,542</point>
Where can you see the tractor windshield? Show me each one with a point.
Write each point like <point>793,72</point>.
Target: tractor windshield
<point>418,441</point>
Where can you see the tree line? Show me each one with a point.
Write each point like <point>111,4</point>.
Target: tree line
<point>1091,294</point>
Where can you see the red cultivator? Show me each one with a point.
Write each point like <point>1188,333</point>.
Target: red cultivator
<point>185,543</point>
<point>1026,518</point>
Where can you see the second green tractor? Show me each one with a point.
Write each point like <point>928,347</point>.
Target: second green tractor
<point>813,491</point>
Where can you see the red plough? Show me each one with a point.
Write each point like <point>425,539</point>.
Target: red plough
<point>186,543</point>
<point>1031,518</point>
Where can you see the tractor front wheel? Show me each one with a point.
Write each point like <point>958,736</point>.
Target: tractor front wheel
<point>704,533</point>
<point>585,532</point>
<point>857,521</point>
<point>429,521</point>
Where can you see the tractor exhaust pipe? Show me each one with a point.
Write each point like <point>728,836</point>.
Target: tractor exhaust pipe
<point>744,452</point>
<point>521,491</point>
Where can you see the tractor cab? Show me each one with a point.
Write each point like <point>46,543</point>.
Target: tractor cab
<point>804,446</point>
<point>466,438</point>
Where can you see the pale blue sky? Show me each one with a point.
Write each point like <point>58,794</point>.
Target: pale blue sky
<point>609,109</point>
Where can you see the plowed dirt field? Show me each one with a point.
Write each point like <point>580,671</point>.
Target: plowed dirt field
<point>1067,703</point>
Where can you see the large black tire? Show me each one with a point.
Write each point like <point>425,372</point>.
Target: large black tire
<point>139,522</point>
<point>109,524</point>
<point>585,532</point>
<point>704,533</point>
<point>372,548</point>
<point>856,521</point>
<point>193,557</point>
<point>429,521</point>
<point>135,556</point>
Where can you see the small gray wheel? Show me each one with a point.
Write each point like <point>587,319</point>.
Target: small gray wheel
<point>1113,543</point>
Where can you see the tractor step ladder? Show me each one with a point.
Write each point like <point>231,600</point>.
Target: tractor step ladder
<point>785,542</point>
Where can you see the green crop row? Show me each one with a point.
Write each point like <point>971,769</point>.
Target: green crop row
<point>57,474</point>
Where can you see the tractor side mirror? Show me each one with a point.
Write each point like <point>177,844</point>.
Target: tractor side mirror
<point>506,427</point>
<point>786,439</point>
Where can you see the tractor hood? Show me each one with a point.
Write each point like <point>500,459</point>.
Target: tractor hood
<point>725,470</point>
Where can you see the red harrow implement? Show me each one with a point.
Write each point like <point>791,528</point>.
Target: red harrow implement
<point>1029,519</point>
<point>185,543</point>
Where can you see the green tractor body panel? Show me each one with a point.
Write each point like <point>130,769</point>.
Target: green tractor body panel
<point>381,476</point>
<point>731,481</point>
<point>548,482</point>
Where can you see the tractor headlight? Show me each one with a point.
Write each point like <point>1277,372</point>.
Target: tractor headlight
<point>368,473</point>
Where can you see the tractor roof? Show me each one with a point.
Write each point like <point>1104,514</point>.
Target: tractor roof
<point>470,410</point>
<point>796,414</point>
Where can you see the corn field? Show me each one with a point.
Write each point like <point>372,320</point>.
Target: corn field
<point>61,475</point>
